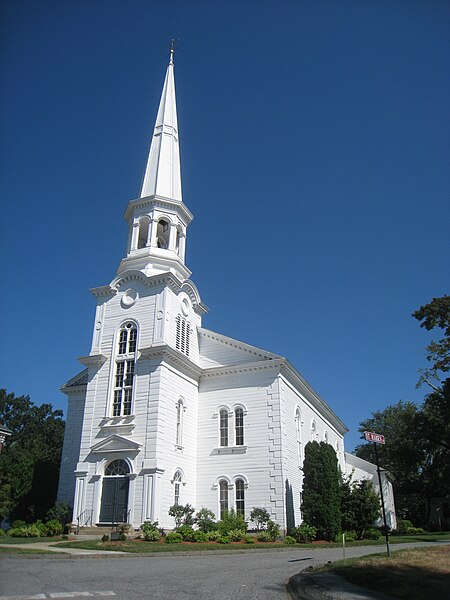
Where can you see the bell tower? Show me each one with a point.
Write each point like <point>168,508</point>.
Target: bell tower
<point>158,219</point>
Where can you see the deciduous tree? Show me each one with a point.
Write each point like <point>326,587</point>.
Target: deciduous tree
<point>29,462</point>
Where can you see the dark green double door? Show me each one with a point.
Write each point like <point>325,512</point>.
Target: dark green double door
<point>114,500</point>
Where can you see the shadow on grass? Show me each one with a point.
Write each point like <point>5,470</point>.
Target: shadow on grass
<point>411,582</point>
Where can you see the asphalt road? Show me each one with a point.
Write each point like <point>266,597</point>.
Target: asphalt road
<point>249,576</point>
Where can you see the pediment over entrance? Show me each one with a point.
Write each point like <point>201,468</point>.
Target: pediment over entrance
<point>115,443</point>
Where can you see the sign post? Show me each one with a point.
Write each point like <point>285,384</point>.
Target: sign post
<point>377,438</point>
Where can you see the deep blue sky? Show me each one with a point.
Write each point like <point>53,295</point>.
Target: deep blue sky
<point>314,149</point>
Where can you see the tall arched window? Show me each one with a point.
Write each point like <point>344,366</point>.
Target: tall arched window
<point>240,500</point>
<point>183,333</point>
<point>143,232</point>
<point>325,436</point>
<point>239,426</point>
<point>124,370</point>
<point>298,432</point>
<point>223,497</point>
<point>162,234</point>
<point>313,430</point>
<point>179,432</point>
<point>223,427</point>
<point>177,478</point>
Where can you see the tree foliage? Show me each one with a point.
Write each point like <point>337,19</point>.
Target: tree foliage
<point>360,505</point>
<point>321,496</point>
<point>417,449</point>
<point>30,459</point>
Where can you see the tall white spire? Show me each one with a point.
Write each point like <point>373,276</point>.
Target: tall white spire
<point>163,174</point>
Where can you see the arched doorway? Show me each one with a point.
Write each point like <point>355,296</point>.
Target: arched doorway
<point>114,506</point>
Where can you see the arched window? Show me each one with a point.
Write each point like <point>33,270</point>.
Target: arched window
<point>117,468</point>
<point>239,426</point>
<point>162,234</point>
<point>177,478</point>
<point>240,500</point>
<point>223,497</point>
<point>325,436</point>
<point>143,233</point>
<point>223,427</point>
<point>177,240</point>
<point>298,432</point>
<point>182,335</point>
<point>313,430</point>
<point>179,432</point>
<point>124,370</point>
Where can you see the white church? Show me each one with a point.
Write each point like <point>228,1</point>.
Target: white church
<point>166,411</point>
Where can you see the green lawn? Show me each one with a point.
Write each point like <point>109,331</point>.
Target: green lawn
<point>13,550</point>
<point>6,539</point>
<point>144,547</point>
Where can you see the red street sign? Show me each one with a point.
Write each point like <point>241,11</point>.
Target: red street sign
<point>374,437</point>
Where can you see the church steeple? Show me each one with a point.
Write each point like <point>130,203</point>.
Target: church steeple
<point>163,175</point>
<point>158,219</point>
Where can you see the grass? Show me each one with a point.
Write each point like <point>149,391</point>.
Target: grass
<point>6,539</point>
<point>13,550</point>
<point>145,547</point>
<point>416,574</point>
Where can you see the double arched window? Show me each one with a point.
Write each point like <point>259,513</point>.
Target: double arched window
<point>224,487</point>
<point>224,432</point>
<point>124,370</point>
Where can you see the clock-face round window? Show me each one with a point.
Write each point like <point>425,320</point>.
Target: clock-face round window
<point>129,298</point>
<point>185,306</point>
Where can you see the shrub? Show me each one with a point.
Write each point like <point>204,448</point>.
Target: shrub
<point>223,539</point>
<point>150,531</point>
<point>249,539</point>
<point>414,530</point>
<point>230,521</point>
<point>105,538</point>
<point>182,514</point>
<point>61,512</point>
<point>187,533</point>
<point>273,529</point>
<point>213,536</point>
<point>304,534</point>
<point>236,535</point>
<point>264,536</point>
<point>291,541</point>
<point>371,534</point>
<point>18,523</point>
<point>350,536</point>
<point>27,531</point>
<point>403,525</point>
<point>206,520</point>
<point>260,516</point>
<point>174,538</point>
<point>2,532</point>
<point>53,527</point>
<point>200,536</point>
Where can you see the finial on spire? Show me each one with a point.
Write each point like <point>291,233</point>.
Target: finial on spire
<point>172,51</point>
